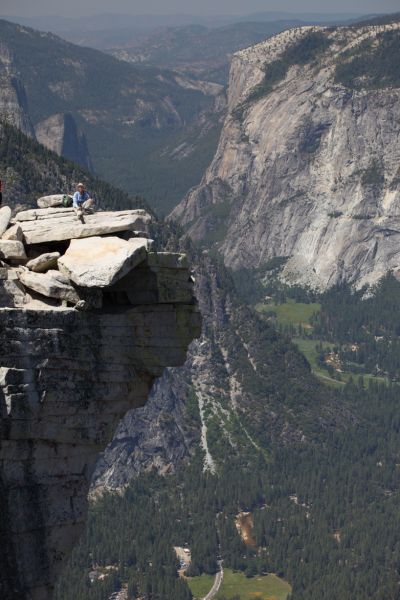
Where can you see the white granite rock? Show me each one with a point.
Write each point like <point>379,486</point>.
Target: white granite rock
<point>52,284</point>
<point>13,233</point>
<point>49,201</point>
<point>5,216</point>
<point>44,262</point>
<point>34,214</point>
<point>308,172</point>
<point>52,224</point>
<point>12,250</point>
<point>100,262</point>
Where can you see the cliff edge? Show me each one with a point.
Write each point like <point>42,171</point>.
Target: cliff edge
<point>90,316</point>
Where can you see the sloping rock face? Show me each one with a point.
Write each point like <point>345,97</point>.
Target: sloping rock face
<point>307,166</point>
<point>60,133</point>
<point>13,102</point>
<point>67,376</point>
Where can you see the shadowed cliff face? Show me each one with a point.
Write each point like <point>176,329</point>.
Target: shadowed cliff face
<point>13,101</point>
<point>67,376</point>
<point>60,133</point>
<point>66,380</point>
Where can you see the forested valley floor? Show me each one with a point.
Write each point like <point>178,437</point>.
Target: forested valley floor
<point>324,513</point>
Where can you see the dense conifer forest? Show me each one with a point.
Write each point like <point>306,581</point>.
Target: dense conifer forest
<point>365,330</point>
<point>325,517</point>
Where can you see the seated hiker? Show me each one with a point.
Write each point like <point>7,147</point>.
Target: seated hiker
<point>82,201</point>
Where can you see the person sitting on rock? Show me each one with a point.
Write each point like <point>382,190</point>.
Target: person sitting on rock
<point>82,202</point>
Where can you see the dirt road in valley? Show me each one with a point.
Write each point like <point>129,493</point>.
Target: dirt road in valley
<point>217,583</point>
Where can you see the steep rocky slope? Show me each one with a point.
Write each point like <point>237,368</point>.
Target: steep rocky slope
<point>307,166</point>
<point>53,357</point>
<point>249,388</point>
<point>13,102</point>
<point>61,134</point>
<point>132,117</point>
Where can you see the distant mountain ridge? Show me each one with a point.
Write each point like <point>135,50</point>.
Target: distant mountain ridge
<point>99,22</point>
<point>199,51</point>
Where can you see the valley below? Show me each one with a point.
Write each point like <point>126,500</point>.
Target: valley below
<point>267,466</point>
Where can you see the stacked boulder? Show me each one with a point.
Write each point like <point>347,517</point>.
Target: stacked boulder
<point>52,257</point>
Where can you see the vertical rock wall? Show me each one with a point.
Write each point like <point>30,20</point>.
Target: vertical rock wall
<point>66,379</point>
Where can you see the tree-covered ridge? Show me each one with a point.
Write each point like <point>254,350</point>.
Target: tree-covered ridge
<point>28,170</point>
<point>373,64</point>
<point>380,20</point>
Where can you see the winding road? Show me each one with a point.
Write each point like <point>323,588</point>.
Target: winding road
<point>217,583</point>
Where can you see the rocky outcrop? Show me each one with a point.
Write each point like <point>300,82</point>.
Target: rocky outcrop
<point>72,363</point>
<point>12,249</point>
<point>13,233</point>
<point>61,134</point>
<point>52,284</point>
<point>307,167</point>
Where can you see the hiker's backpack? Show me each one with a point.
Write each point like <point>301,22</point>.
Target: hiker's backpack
<point>67,201</point>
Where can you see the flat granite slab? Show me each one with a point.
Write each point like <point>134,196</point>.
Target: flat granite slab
<point>101,261</point>
<point>56,224</point>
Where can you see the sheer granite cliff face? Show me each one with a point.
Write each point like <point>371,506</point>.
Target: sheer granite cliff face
<point>13,101</point>
<point>67,376</point>
<point>61,134</point>
<point>307,166</point>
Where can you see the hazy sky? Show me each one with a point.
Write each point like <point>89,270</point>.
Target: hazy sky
<point>71,8</point>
